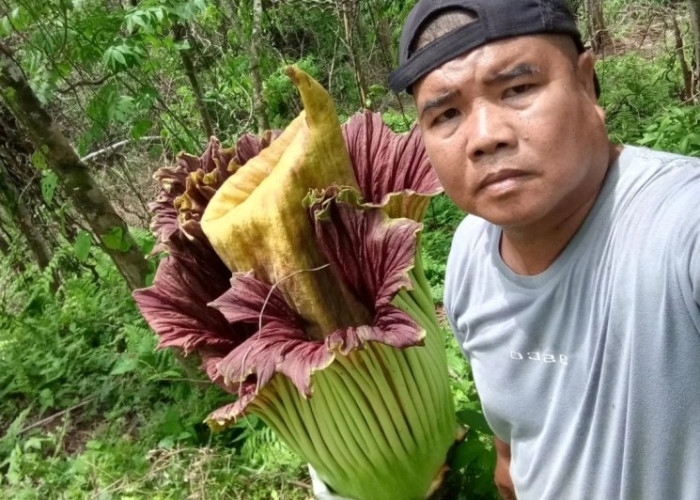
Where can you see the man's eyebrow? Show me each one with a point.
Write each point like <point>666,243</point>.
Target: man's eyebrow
<point>436,102</point>
<point>522,69</point>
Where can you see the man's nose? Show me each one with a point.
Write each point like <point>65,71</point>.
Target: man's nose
<point>489,132</point>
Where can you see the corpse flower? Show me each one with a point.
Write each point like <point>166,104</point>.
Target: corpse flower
<point>324,327</point>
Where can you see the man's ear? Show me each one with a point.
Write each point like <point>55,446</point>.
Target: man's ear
<point>585,69</point>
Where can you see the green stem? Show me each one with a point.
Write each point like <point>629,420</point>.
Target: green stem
<point>406,302</point>
<point>340,440</point>
<point>407,391</point>
<point>436,377</point>
<point>337,394</point>
<point>339,375</point>
<point>367,379</point>
<point>284,427</point>
<point>317,445</point>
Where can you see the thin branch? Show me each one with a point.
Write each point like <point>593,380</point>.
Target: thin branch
<point>335,50</point>
<point>84,83</point>
<point>28,185</point>
<point>300,484</point>
<point>164,106</point>
<point>116,145</point>
<point>56,415</point>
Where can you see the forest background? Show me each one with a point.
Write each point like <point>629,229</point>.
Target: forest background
<point>96,96</point>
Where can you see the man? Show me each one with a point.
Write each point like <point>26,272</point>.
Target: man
<point>573,286</point>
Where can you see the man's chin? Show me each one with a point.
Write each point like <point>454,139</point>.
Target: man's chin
<point>509,219</point>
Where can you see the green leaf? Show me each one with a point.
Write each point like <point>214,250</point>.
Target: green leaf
<point>64,69</point>
<point>82,245</point>
<point>138,18</point>
<point>125,364</point>
<point>14,472</point>
<point>466,452</point>
<point>121,108</point>
<point>20,18</point>
<point>94,444</point>
<point>33,443</point>
<point>115,240</point>
<point>39,159</point>
<point>113,57</point>
<point>166,443</point>
<point>140,128</point>
<point>183,45</point>
<point>48,186</point>
<point>474,420</point>
<point>118,56</point>
<point>5,27</point>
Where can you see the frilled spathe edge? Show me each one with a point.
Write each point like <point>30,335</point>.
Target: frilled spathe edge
<point>371,252</point>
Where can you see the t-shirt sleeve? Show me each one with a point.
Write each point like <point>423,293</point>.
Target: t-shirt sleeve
<point>685,207</point>
<point>448,295</point>
<point>453,275</point>
<point>694,267</point>
<point>692,217</point>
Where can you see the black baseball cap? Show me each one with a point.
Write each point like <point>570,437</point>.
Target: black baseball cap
<point>494,20</point>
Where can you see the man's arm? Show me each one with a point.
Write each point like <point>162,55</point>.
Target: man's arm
<point>502,474</point>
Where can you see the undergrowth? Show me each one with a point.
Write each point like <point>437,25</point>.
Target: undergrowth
<point>89,408</point>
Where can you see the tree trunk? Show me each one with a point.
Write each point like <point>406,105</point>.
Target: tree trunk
<point>347,9</point>
<point>255,42</point>
<point>600,38</point>
<point>694,10</point>
<point>180,34</point>
<point>687,92</point>
<point>22,217</point>
<point>73,174</point>
<point>21,193</point>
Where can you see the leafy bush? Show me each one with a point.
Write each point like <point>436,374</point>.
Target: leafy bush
<point>89,409</point>
<point>634,89</point>
<point>399,121</point>
<point>677,130</point>
<point>441,220</point>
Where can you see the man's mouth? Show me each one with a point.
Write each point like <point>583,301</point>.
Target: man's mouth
<point>501,179</point>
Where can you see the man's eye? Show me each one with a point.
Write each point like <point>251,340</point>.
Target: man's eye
<point>517,90</point>
<point>448,114</point>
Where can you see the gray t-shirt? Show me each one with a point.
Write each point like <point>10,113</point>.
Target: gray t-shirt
<point>591,369</point>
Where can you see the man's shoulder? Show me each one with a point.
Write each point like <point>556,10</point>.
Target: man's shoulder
<point>637,160</point>
<point>657,185</point>
<point>471,229</point>
<point>471,238</point>
<point>645,153</point>
<point>472,245</point>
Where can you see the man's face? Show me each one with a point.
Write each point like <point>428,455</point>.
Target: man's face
<point>514,131</point>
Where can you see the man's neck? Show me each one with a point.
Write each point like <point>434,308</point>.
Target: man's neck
<point>529,251</point>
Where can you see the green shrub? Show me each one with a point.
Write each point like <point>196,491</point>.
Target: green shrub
<point>441,220</point>
<point>634,91</point>
<point>676,129</point>
<point>89,409</point>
